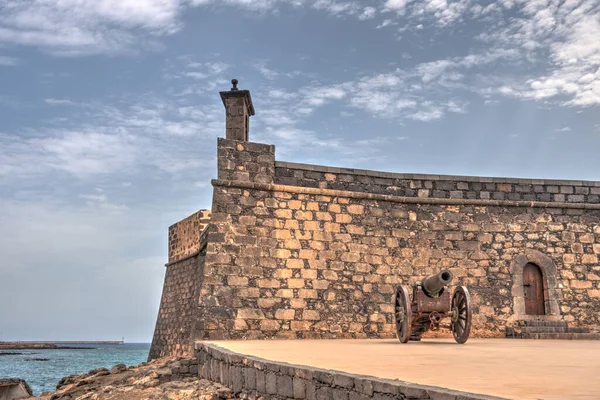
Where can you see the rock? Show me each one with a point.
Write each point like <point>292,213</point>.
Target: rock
<point>150,380</point>
<point>118,368</point>
<point>14,389</point>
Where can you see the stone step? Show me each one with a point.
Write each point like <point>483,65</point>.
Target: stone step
<point>561,336</point>
<point>552,329</point>
<point>556,324</point>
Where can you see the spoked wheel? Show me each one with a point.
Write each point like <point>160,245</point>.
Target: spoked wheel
<point>461,314</point>
<point>402,313</point>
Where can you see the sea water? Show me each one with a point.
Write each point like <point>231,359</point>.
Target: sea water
<point>42,369</point>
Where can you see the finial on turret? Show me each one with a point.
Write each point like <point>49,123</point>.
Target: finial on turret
<point>234,82</point>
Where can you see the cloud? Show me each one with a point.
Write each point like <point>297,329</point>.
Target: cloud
<point>450,69</point>
<point>398,6</point>
<point>8,61</point>
<point>150,133</point>
<point>266,72</point>
<point>563,33</point>
<point>340,8</point>
<point>367,13</point>
<point>445,12</point>
<point>59,102</point>
<point>73,27</point>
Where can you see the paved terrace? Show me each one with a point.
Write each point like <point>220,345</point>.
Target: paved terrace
<point>515,369</point>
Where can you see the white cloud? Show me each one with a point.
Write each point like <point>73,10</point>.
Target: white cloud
<point>565,35</point>
<point>449,69</point>
<point>337,8</point>
<point>384,23</point>
<point>266,72</point>
<point>73,27</point>
<point>445,12</point>
<point>367,13</point>
<point>149,133</point>
<point>80,154</point>
<point>59,102</point>
<point>398,6</point>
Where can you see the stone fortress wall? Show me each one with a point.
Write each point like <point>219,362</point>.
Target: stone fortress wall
<point>306,251</point>
<point>183,278</point>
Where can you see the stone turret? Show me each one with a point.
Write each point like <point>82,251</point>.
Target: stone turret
<point>239,109</point>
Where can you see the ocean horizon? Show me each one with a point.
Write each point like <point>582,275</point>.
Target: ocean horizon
<point>42,369</point>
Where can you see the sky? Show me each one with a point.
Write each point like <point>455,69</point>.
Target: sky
<point>109,114</point>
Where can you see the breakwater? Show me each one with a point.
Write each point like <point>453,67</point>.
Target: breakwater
<point>20,345</point>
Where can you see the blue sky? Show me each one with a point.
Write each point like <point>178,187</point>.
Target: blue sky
<point>109,114</point>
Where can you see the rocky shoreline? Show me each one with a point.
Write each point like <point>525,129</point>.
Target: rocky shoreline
<point>160,379</point>
<point>39,346</point>
<point>26,346</point>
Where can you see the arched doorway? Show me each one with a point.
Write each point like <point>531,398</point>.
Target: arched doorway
<point>549,297</point>
<point>533,290</point>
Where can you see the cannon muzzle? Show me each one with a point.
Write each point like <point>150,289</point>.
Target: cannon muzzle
<point>433,284</point>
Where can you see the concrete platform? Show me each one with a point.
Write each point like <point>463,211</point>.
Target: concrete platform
<point>507,368</point>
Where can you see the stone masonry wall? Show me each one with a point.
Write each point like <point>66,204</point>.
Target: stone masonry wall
<point>184,236</point>
<point>247,375</point>
<point>436,186</point>
<point>304,262</point>
<point>177,315</point>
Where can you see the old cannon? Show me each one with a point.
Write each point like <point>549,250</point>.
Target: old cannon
<point>430,304</point>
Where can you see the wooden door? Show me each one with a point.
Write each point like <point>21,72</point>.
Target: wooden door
<point>533,289</point>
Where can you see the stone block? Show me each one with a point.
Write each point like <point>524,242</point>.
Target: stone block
<point>295,283</point>
<point>295,204</point>
<point>299,388</point>
<point>383,396</point>
<point>344,381</point>
<point>300,325</point>
<point>284,386</point>
<point>249,378</point>
<point>311,391</point>
<point>320,284</point>
<point>358,396</point>
<point>324,393</point>
<point>340,394</point>
<point>268,283</point>
<point>261,382</point>
<point>283,213</point>
<point>269,325</point>
<point>281,253</point>
<point>236,377</point>
<point>271,383</point>
<point>294,263</point>
<point>364,386</point>
<point>310,315</point>
<point>285,293</point>
<point>307,294</point>
<point>355,209</point>
<point>285,314</point>
<point>575,284</point>
<point>237,281</point>
<point>384,387</point>
<point>308,274</point>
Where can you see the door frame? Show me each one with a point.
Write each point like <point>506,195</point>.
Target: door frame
<point>549,275</point>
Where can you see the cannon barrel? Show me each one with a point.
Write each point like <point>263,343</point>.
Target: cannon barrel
<point>433,284</point>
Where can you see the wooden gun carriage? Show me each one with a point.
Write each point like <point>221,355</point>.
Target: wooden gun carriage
<point>429,305</point>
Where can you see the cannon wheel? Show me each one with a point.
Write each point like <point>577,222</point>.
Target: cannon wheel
<point>461,318</point>
<point>402,313</point>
